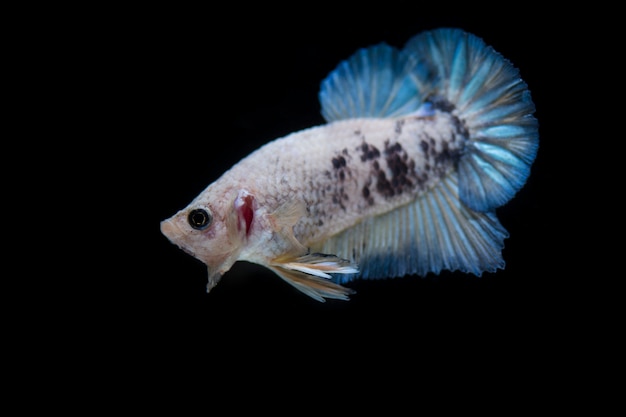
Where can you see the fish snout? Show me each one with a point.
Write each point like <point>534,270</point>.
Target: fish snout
<point>170,230</point>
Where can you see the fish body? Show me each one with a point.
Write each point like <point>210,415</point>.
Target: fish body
<point>420,147</point>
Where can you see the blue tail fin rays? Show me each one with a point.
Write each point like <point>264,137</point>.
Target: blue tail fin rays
<point>494,103</point>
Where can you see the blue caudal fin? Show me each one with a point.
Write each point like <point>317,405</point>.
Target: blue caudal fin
<point>493,102</point>
<point>379,81</point>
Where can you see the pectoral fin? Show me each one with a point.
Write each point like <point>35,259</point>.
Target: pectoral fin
<point>283,219</point>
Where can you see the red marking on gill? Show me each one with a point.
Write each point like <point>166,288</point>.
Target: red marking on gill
<point>247,213</point>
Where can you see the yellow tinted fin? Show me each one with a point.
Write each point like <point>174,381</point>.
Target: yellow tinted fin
<point>315,287</point>
<point>311,274</point>
<point>318,264</point>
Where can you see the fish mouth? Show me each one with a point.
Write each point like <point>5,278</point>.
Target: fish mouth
<point>170,230</point>
<point>174,235</point>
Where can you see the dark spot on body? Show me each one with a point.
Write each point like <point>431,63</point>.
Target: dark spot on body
<point>383,186</point>
<point>397,165</point>
<point>341,172</point>
<point>340,166</point>
<point>339,162</point>
<point>446,157</point>
<point>398,126</point>
<point>460,128</point>
<point>392,149</point>
<point>369,152</point>
<point>400,175</point>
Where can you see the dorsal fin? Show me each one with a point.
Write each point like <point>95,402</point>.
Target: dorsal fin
<point>378,81</point>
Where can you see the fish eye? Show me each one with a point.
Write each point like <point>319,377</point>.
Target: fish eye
<point>199,219</point>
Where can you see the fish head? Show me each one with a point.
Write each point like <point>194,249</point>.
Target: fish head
<point>213,229</point>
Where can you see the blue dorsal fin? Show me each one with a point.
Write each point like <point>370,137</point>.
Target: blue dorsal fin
<point>378,81</point>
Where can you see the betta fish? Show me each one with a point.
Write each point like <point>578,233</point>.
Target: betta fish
<point>419,147</point>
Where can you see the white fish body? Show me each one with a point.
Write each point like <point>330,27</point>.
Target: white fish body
<point>420,147</point>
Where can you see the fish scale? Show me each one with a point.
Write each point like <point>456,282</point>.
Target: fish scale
<point>305,169</point>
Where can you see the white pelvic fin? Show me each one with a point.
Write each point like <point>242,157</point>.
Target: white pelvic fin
<point>436,232</point>
<point>318,264</point>
<point>313,286</point>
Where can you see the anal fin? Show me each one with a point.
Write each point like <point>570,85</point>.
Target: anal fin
<point>433,233</point>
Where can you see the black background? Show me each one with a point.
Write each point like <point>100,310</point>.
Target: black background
<point>183,95</point>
